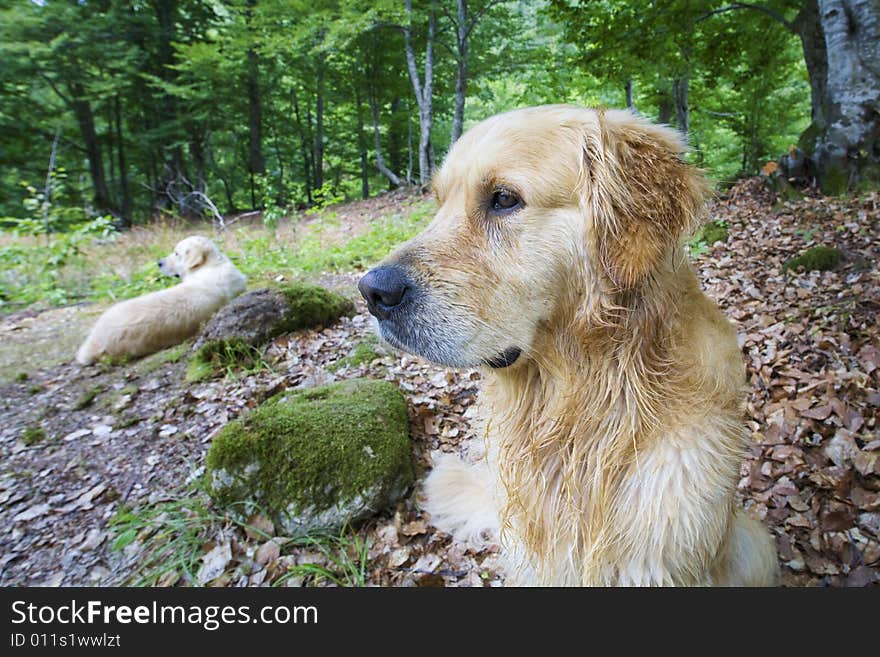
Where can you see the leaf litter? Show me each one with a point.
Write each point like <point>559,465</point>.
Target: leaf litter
<point>811,472</point>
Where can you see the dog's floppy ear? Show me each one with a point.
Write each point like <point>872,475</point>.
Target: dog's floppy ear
<point>642,196</point>
<point>194,257</point>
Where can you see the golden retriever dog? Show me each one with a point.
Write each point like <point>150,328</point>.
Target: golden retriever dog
<point>613,394</point>
<point>154,321</point>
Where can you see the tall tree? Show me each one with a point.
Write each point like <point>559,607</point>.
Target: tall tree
<point>423,90</point>
<point>841,46</point>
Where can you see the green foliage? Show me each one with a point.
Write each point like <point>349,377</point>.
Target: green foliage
<point>223,97</point>
<point>26,278</point>
<point>50,237</point>
<point>816,258</point>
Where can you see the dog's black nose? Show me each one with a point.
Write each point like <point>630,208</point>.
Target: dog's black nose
<point>159,263</point>
<point>384,288</point>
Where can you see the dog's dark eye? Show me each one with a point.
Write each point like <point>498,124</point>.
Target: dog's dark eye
<point>504,200</point>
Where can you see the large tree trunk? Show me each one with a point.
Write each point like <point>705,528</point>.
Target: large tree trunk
<point>846,119</point>
<point>423,91</point>
<point>462,74</point>
<point>86,119</point>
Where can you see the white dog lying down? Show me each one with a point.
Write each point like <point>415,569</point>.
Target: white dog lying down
<point>157,320</point>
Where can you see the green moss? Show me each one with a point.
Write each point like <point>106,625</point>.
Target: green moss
<point>35,389</point>
<point>311,307</point>
<point>21,377</point>
<point>707,235</point>
<point>785,192</point>
<point>218,356</point>
<point>835,180</point>
<point>174,354</point>
<point>86,398</point>
<point>869,179</point>
<point>809,137</point>
<point>817,258</point>
<point>314,448</point>
<point>364,352</point>
<point>109,362</point>
<point>33,435</point>
<point>711,232</point>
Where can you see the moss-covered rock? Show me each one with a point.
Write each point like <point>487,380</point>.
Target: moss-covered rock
<point>259,316</point>
<point>234,335</point>
<point>816,258</point>
<point>315,459</point>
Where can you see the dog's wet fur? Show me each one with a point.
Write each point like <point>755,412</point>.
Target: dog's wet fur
<point>614,391</point>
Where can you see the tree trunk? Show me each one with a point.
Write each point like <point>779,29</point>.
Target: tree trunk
<point>841,44</point>
<point>319,125</point>
<point>629,96</point>
<point>280,196</point>
<point>847,119</point>
<point>256,164</point>
<point>86,119</point>
<point>664,107</point>
<point>462,74</point>
<point>303,144</point>
<point>125,210</point>
<point>423,92</point>
<point>680,100</point>
<point>377,143</point>
<point>395,139</point>
<point>362,143</point>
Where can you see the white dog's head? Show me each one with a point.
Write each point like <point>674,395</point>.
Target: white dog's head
<point>190,255</point>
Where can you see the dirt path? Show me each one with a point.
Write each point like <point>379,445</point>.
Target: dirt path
<point>32,340</point>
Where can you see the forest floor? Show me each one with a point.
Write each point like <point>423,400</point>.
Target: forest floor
<point>101,465</point>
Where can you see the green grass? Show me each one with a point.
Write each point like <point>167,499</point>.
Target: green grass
<point>88,397</point>
<point>347,555</point>
<point>124,265</point>
<point>33,435</point>
<point>173,535</point>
